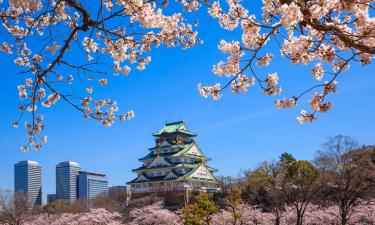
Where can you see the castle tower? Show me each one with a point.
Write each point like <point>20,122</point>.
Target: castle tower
<point>175,163</point>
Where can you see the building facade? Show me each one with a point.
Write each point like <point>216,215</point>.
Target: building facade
<point>174,163</point>
<point>67,181</point>
<point>28,181</point>
<point>91,185</point>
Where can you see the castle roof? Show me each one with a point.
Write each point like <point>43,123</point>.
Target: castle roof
<point>174,127</point>
<point>183,150</point>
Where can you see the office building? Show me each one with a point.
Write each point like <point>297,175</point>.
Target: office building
<point>91,185</point>
<point>28,182</point>
<point>67,181</point>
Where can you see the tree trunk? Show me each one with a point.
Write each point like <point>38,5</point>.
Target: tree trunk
<point>344,219</point>
<point>299,218</point>
<point>344,214</point>
<point>277,221</point>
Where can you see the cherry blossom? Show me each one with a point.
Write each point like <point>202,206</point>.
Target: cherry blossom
<point>153,214</point>
<point>65,24</point>
<point>326,36</point>
<point>93,217</point>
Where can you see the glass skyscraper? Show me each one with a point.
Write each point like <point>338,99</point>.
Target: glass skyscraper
<point>28,180</point>
<point>91,185</point>
<point>67,181</point>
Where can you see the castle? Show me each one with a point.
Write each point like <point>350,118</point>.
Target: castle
<point>175,163</point>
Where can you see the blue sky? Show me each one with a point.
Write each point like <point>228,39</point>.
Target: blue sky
<point>237,132</point>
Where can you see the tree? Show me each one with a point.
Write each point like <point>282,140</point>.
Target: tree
<point>327,35</point>
<point>233,202</point>
<point>226,182</point>
<point>348,172</point>
<point>372,155</point>
<point>267,184</point>
<point>286,159</point>
<point>301,187</point>
<point>115,201</point>
<point>93,217</point>
<point>13,208</point>
<point>44,35</point>
<point>153,214</point>
<point>56,207</point>
<point>200,212</point>
<point>251,215</point>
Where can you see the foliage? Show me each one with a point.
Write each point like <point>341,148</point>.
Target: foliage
<point>372,155</point>
<point>55,207</point>
<point>233,201</point>
<point>250,215</point>
<point>302,172</point>
<point>336,189</point>
<point>286,159</point>
<point>153,214</point>
<point>42,36</point>
<point>348,172</point>
<point>200,212</point>
<point>13,208</point>
<point>327,35</point>
<point>225,182</point>
<point>94,217</point>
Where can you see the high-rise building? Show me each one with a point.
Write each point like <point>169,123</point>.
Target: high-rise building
<point>91,185</point>
<point>28,181</point>
<point>67,181</point>
<point>175,163</point>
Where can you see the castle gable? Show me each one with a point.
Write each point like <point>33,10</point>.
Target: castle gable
<point>141,177</point>
<point>158,162</point>
<point>194,150</point>
<point>165,144</point>
<point>170,175</point>
<point>202,172</point>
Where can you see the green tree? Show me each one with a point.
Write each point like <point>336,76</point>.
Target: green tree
<point>233,201</point>
<point>286,159</point>
<point>301,186</point>
<point>199,213</point>
<point>302,172</point>
<point>56,207</point>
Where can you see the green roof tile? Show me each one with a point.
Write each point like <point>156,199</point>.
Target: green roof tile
<point>174,128</point>
<point>179,165</point>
